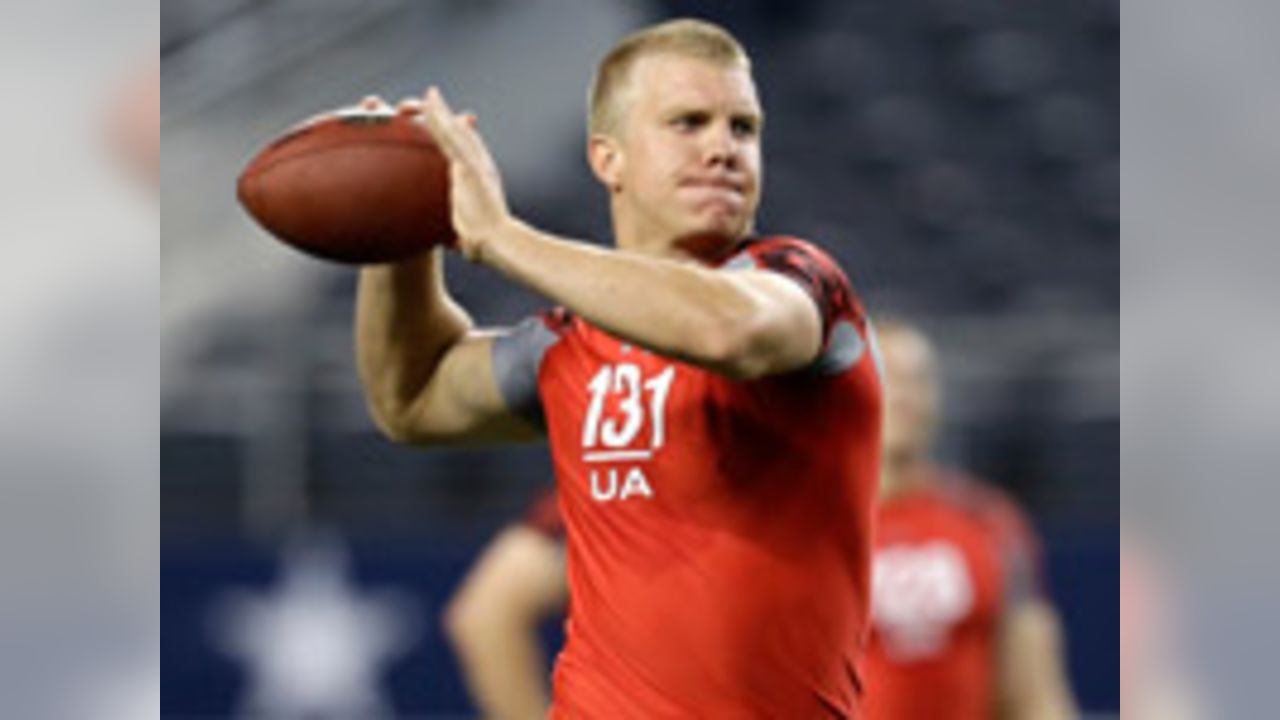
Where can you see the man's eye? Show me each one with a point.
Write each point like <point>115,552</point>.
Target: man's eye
<point>744,128</point>
<point>687,122</point>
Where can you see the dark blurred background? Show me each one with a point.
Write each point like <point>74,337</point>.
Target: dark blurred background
<point>959,157</point>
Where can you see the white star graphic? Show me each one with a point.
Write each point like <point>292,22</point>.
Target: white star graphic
<point>313,647</point>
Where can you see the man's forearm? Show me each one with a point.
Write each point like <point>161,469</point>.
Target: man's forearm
<point>505,667</point>
<point>1033,681</point>
<point>405,321</point>
<point>674,308</point>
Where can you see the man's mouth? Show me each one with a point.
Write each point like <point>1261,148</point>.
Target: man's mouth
<point>715,183</point>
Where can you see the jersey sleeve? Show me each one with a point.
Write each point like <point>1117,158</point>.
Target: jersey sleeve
<point>846,335</point>
<point>1010,532</point>
<point>517,359</point>
<point>544,516</point>
<point>1020,553</point>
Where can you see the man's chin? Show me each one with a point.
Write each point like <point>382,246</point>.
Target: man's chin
<point>726,225</point>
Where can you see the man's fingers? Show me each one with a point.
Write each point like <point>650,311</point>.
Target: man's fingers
<point>454,133</point>
<point>372,102</point>
<point>441,121</point>
<point>434,96</point>
<point>469,137</point>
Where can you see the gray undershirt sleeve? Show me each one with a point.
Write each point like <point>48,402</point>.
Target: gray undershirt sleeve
<point>517,358</point>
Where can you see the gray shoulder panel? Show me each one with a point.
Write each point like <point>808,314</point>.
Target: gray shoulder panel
<point>844,349</point>
<point>742,261</point>
<point>517,358</point>
<point>845,346</point>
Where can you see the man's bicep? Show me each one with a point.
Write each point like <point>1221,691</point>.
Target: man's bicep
<point>464,401</point>
<point>831,317</point>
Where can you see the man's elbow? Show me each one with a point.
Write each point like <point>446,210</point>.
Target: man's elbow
<point>404,424</point>
<point>471,622</point>
<point>388,418</point>
<point>746,352</point>
<point>726,350</point>
<point>396,431</point>
<point>460,623</point>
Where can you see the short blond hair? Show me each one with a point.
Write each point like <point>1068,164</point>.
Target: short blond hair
<point>685,37</point>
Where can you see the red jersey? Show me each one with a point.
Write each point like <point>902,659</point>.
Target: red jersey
<point>719,532</point>
<point>951,558</point>
<point>543,516</point>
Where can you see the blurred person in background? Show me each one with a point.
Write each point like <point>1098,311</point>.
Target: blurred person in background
<point>493,619</point>
<point>1155,682</point>
<point>78,521</point>
<point>135,125</point>
<point>712,410</point>
<point>960,625</point>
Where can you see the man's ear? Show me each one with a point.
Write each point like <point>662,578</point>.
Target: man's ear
<point>605,156</point>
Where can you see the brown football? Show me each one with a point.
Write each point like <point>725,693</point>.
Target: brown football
<point>353,186</point>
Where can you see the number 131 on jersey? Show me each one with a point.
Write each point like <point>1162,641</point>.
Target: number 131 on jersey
<point>623,404</point>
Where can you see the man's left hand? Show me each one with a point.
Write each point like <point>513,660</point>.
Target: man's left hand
<point>478,205</point>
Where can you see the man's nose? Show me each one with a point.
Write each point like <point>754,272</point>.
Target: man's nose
<point>720,145</point>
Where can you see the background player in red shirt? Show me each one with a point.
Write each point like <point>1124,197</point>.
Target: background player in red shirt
<point>960,627</point>
<point>1157,682</point>
<point>711,398</point>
